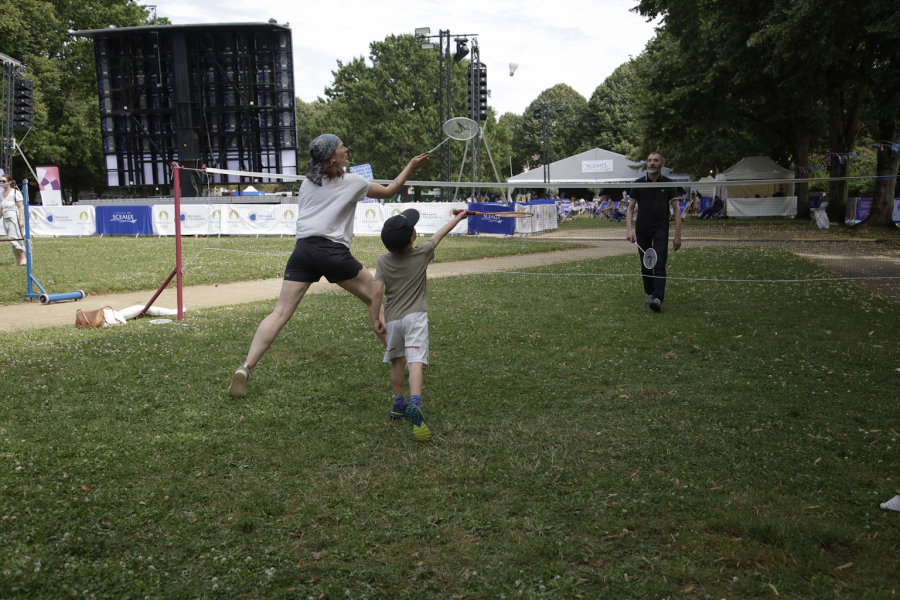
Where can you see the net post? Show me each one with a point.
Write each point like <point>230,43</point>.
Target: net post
<point>178,278</point>
<point>29,293</point>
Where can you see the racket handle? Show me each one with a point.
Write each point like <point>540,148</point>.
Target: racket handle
<point>468,212</point>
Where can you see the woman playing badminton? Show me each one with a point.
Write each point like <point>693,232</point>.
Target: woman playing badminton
<point>326,208</point>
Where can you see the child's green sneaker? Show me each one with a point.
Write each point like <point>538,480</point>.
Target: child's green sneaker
<point>420,427</point>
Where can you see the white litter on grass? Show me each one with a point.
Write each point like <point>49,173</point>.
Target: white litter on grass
<point>120,317</point>
<point>892,504</point>
<point>160,321</point>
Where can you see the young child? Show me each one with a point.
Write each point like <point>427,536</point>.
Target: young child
<point>402,273</point>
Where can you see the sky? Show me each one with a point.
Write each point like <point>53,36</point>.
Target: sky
<point>576,42</point>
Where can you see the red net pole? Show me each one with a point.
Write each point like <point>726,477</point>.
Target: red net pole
<point>178,280</point>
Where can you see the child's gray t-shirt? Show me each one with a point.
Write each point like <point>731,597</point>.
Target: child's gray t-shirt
<point>405,282</point>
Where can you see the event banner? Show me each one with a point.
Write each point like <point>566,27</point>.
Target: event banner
<point>490,223</point>
<point>285,219</point>
<point>61,220</point>
<point>124,220</point>
<point>369,218</point>
<point>748,208</point>
<point>48,184</point>
<point>544,218</point>
<point>195,219</point>
<point>257,219</point>
<point>596,166</point>
<point>434,215</point>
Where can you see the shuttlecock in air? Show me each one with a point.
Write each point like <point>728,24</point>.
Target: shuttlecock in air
<point>512,68</point>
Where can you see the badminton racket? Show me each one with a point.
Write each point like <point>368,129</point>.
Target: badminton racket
<point>460,129</point>
<point>510,215</point>
<point>649,257</point>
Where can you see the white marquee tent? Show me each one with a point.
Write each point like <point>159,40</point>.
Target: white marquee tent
<point>589,169</point>
<point>753,168</point>
<point>758,199</point>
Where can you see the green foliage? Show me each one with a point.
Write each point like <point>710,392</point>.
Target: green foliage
<point>312,120</point>
<point>566,127</point>
<point>387,109</point>
<point>611,117</point>
<point>67,124</point>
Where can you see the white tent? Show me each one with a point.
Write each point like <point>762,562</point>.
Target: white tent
<point>758,199</point>
<point>589,169</point>
<point>754,168</point>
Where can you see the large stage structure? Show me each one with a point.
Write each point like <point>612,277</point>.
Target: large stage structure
<point>220,95</point>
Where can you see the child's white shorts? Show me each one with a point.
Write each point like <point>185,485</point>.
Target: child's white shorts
<point>408,336</point>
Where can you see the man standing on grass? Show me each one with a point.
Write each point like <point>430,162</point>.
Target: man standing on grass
<point>652,227</point>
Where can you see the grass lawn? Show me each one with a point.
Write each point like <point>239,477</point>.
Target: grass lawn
<point>767,227</point>
<point>123,264</point>
<point>737,445</point>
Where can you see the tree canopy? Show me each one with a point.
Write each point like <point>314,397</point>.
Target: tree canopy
<point>66,111</point>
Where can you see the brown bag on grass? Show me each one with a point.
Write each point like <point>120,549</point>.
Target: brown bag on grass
<point>90,319</point>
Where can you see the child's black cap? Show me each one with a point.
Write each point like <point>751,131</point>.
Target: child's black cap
<point>398,230</point>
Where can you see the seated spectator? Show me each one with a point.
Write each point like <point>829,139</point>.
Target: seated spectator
<point>714,210</point>
<point>578,207</point>
<point>618,211</point>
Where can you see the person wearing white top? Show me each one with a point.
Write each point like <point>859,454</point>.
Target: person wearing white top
<point>326,208</point>
<point>13,217</point>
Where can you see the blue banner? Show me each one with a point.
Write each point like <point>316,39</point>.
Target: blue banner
<point>489,223</point>
<point>124,220</point>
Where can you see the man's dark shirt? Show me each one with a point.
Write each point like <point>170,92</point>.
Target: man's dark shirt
<point>653,204</point>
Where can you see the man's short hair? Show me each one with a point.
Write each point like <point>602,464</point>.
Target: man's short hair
<point>661,157</point>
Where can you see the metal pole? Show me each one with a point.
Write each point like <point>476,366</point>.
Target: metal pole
<point>178,279</point>
<point>545,131</point>
<point>446,68</point>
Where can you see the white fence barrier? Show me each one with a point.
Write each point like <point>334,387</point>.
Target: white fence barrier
<point>269,219</point>
<point>62,220</point>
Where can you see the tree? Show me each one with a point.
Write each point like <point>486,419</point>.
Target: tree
<point>389,112</point>
<point>883,115</point>
<point>611,120</point>
<point>792,73</point>
<point>312,120</point>
<point>709,97</point>
<point>567,110</point>
<point>67,114</point>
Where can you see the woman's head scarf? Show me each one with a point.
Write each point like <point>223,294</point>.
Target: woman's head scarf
<point>320,149</point>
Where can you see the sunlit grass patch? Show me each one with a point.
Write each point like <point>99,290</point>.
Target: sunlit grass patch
<point>735,444</point>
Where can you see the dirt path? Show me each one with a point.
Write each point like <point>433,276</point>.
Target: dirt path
<point>844,258</point>
<point>33,315</point>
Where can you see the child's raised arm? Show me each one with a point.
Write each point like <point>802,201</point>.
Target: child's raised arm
<point>439,235</point>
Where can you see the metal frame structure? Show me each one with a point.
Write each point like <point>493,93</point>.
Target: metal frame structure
<point>475,77</point>
<point>475,74</point>
<point>446,67</point>
<point>11,69</point>
<point>220,95</point>
<point>545,110</point>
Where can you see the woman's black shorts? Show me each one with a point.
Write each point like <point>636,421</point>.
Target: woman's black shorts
<point>314,257</point>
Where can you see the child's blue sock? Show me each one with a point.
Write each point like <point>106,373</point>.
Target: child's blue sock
<point>398,411</point>
<point>416,399</point>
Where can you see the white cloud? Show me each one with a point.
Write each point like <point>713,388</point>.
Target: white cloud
<point>576,42</point>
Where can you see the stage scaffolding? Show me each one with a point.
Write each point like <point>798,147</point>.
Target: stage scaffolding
<point>220,95</point>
